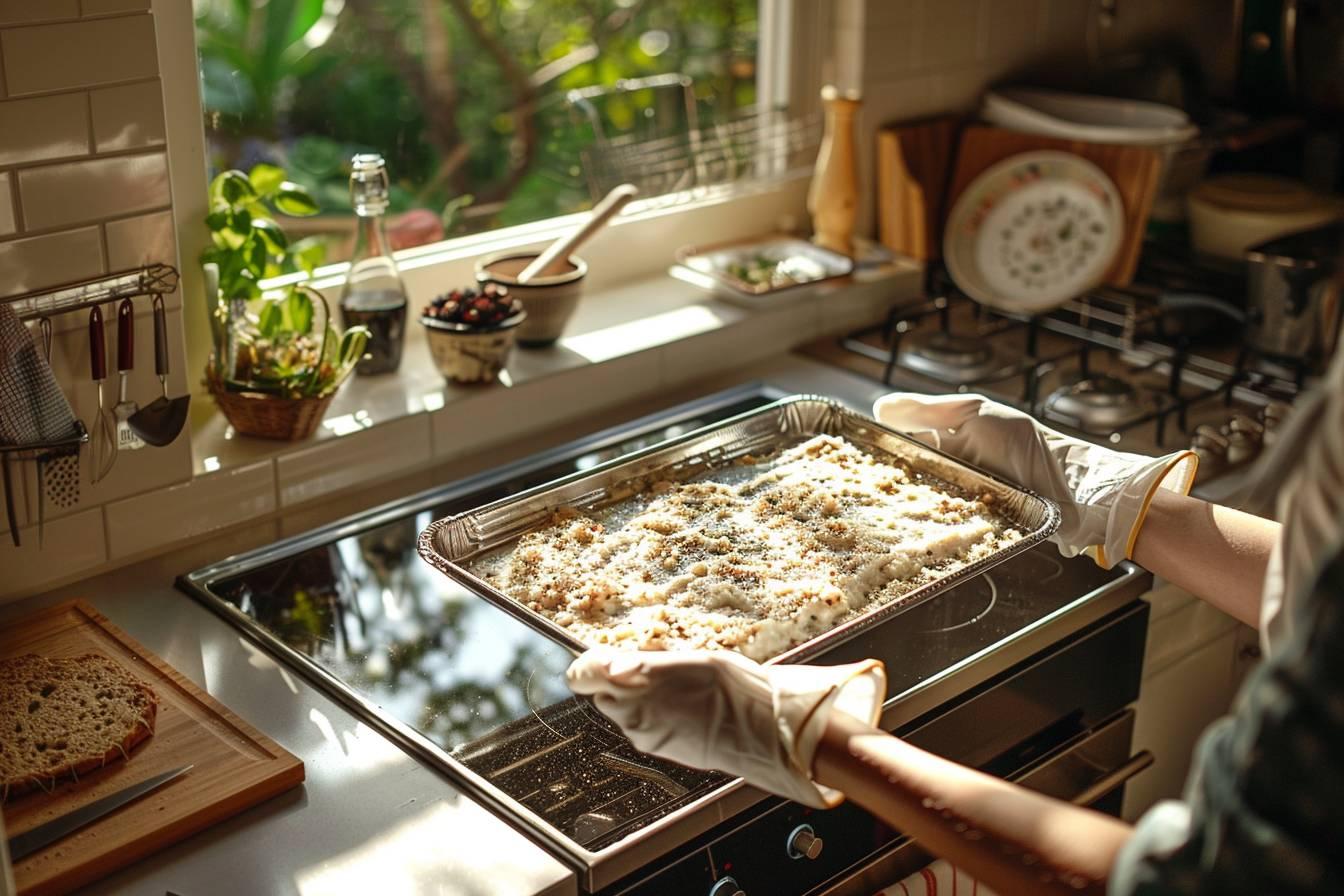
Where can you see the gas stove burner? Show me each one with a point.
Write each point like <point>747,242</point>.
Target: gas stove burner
<point>950,357</point>
<point>1099,403</point>
<point>964,605</point>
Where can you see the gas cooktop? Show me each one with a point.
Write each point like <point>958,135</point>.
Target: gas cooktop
<point>467,686</point>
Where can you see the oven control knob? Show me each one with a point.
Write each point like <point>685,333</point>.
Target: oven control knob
<point>804,843</point>
<point>726,886</point>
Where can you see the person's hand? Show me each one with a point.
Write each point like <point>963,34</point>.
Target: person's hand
<point>1103,495</point>
<point>719,710</point>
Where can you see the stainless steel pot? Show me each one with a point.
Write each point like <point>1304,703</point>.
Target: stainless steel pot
<point>1293,303</point>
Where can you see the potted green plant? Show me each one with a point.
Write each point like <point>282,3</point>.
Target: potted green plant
<point>275,366</point>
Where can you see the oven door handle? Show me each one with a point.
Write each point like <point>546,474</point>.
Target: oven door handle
<point>1114,778</point>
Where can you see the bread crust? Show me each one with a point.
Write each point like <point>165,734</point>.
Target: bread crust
<point>14,671</point>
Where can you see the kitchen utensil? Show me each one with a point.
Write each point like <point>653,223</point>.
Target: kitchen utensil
<point>127,440</point>
<point>760,272</point>
<point>552,261</point>
<point>833,196</point>
<point>1133,170</point>
<point>550,300</point>
<point>1034,231</point>
<point>159,422</point>
<point>1294,301</point>
<point>58,469</point>
<point>1232,212</point>
<point>10,517</point>
<point>449,543</point>
<point>236,766</point>
<point>31,841</point>
<point>914,164</point>
<point>103,451</point>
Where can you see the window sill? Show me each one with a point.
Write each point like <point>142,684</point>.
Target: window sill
<point>623,342</point>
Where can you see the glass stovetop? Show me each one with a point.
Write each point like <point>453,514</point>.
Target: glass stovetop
<point>357,601</point>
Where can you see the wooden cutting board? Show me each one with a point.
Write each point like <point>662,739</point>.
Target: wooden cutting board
<point>914,164</point>
<point>1134,169</point>
<point>236,766</point>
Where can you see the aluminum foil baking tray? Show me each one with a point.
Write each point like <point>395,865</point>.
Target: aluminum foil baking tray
<point>451,543</point>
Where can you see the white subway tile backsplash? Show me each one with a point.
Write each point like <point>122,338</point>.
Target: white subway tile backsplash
<point>41,261</point>
<point>57,195</point>
<point>207,503</point>
<point>1013,29</point>
<point>13,12</point>
<point>145,239</point>
<point>103,7</point>
<point>353,460</point>
<point>78,54</point>
<point>49,127</point>
<point>70,545</point>
<point>128,117</point>
<point>7,223</point>
<point>949,33</point>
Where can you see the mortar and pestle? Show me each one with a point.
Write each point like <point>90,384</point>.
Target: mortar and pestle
<point>550,284</point>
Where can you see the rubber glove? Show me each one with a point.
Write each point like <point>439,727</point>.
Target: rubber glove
<point>1103,495</point>
<point>719,710</point>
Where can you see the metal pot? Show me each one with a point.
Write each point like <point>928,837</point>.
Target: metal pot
<point>1293,302</point>
<point>1291,55</point>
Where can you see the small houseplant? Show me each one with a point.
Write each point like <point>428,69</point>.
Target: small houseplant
<point>275,366</point>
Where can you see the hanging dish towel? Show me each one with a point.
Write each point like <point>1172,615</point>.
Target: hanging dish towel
<point>938,879</point>
<point>33,408</point>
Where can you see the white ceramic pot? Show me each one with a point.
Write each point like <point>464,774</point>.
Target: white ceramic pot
<point>549,301</point>
<point>1233,212</point>
<point>465,354</point>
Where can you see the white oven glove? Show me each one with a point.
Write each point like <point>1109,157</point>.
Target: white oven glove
<point>1103,495</point>
<point>716,709</point>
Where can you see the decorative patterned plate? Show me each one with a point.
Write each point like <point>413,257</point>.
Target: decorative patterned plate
<point>1033,231</point>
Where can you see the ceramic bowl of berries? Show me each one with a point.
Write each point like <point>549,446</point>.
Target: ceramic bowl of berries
<point>471,332</point>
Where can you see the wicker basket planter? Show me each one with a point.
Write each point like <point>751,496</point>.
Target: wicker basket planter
<point>267,416</point>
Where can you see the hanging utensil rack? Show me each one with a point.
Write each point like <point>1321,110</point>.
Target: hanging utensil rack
<point>155,278</point>
<point>149,280</point>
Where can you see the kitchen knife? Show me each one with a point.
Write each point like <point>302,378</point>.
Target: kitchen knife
<point>30,842</point>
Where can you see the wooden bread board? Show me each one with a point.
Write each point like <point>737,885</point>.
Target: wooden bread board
<point>914,164</point>
<point>235,766</point>
<point>1134,169</point>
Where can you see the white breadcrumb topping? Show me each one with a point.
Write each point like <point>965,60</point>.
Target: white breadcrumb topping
<point>824,532</point>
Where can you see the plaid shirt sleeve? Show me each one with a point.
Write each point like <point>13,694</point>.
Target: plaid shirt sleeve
<point>1264,812</point>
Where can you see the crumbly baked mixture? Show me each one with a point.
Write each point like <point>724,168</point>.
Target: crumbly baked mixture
<point>824,531</point>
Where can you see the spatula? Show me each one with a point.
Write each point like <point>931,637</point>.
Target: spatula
<point>127,440</point>
<point>159,422</point>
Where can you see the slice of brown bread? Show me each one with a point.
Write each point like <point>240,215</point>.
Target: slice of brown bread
<point>68,716</point>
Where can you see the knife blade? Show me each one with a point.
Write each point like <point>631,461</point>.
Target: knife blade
<point>30,842</point>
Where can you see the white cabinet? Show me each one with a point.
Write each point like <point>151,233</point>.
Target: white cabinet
<point>1192,669</point>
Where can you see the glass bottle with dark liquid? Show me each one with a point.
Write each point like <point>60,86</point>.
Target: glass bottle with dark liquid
<point>374,295</point>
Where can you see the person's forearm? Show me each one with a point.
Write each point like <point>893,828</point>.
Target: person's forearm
<point>1216,553</point>
<point>1009,838</point>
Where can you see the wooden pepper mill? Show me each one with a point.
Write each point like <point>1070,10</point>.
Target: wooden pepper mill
<point>833,198</point>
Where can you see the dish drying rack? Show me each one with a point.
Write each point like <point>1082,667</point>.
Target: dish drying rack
<point>673,156</point>
<point>154,279</point>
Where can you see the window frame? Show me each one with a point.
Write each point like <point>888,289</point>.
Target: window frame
<point>794,50</point>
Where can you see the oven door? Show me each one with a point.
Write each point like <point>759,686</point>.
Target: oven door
<point>1089,771</point>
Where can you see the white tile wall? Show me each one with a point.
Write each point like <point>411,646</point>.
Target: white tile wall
<point>928,57</point>
<point>83,192</point>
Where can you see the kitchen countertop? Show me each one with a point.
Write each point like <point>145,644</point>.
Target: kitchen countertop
<point>369,817</point>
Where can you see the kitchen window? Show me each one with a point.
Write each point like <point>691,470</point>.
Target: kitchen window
<point>499,113</point>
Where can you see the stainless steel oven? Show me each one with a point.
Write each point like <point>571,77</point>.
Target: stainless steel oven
<point>1017,671</point>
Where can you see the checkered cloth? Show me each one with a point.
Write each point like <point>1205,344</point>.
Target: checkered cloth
<point>938,879</point>
<point>33,409</point>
